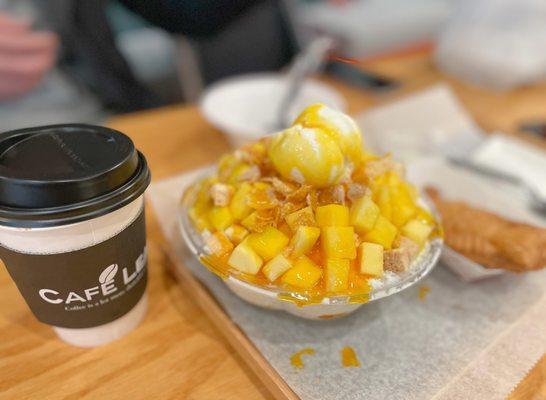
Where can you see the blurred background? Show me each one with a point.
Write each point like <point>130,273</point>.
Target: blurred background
<point>84,61</point>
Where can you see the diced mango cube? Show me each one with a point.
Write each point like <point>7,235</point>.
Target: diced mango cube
<point>220,217</point>
<point>251,221</point>
<point>337,274</point>
<point>364,213</point>
<point>393,179</point>
<point>383,198</point>
<point>401,214</point>
<point>332,215</point>
<point>403,207</point>
<point>276,267</point>
<point>239,203</point>
<point>411,190</point>
<point>226,165</point>
<point>244,259</point>
<point>371,259</point>
<point>236,233</point>
<point>238,171</point>
<point>203,191</point>
<point>268,243</point>
<point>304,240</point>
<point>339,242</point>
<point>258,221</point>
<point>417,231</point>
<point>424,216</point>
<point>219,244</point>
<point>199,219</point>
<point>304,274</point>
<point>303,217</point>
<point>383,233</point>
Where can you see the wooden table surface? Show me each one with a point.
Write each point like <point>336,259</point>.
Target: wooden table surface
<point>177,353</point>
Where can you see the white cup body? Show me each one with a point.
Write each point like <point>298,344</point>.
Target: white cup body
<point>72,237</point>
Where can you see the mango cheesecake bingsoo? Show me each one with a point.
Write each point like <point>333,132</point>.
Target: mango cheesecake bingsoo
<point>311,213</point>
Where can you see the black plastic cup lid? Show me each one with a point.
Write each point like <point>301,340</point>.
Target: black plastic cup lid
<point>61,174</point>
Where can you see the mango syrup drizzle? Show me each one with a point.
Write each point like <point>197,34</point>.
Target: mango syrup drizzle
<point>349,358</point>
<point>423,291</point>
<point>295,359</point>
<point>357,292</point>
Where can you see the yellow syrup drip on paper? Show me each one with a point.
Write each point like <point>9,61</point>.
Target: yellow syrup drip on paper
<point>348,357</point>
<point>295,359</point>
<point>423,290</point>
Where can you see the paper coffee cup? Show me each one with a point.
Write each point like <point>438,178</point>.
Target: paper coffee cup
<point>72,228</point>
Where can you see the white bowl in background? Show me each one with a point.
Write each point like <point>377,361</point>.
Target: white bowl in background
<point>245,107</point>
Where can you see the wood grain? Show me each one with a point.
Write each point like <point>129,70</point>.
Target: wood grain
<point>265,372</point>
<point>177,353</point>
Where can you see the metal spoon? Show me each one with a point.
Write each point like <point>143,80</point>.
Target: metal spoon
<point>306,63</point>
<point>538,203</point>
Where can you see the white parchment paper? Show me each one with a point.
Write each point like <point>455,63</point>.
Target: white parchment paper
<point>462,341</point>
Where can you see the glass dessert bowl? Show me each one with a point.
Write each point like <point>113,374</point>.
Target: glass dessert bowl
<point>308,221</point>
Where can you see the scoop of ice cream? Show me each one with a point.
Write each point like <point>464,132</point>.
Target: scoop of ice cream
<point>336,124</point>
<point>307,155</point>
